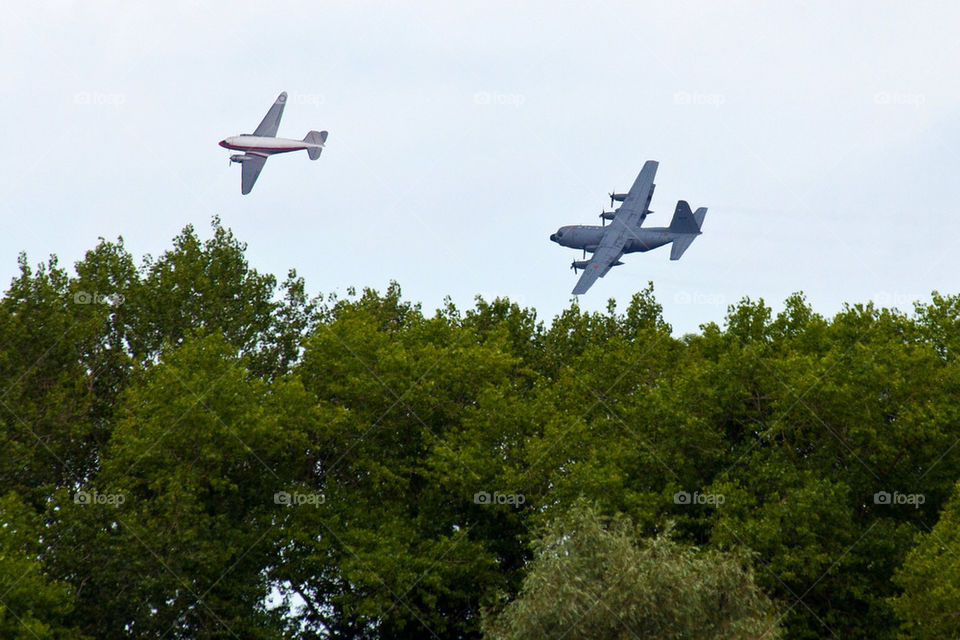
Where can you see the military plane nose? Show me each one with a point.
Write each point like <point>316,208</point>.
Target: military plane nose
<point>223,143</point>
<point>553,237</point>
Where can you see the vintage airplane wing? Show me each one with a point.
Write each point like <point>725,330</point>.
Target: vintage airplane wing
<point>251,166</point>
<point>271,121</point>
<point>621,230</point>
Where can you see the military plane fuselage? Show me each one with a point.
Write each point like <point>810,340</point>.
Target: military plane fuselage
<point>587,237</point>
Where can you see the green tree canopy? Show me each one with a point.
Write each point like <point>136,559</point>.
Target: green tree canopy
<point>600,581</point>
<point>929,606</point>
<point>199,389</point>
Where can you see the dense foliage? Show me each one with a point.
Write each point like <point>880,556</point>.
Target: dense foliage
<point>591,581</point>
<point>194,450</point>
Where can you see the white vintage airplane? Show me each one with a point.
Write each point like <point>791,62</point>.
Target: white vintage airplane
<point>263,143</point>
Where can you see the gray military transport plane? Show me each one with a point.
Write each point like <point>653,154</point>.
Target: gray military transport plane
<point>263,143</point>
<point>624,234</point>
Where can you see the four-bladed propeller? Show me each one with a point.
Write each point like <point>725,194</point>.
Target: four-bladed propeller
<point>604,216</point>
<point>617,197</point>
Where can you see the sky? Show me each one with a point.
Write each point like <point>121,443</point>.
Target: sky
<point>823,138</point>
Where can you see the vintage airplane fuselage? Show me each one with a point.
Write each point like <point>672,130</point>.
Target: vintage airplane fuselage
<point>587,237</point>
<point>265,146</point>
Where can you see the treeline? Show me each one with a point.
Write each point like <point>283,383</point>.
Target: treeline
<point>192,449</point>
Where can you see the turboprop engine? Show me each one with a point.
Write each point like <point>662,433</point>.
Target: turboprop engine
<point>582,264</point>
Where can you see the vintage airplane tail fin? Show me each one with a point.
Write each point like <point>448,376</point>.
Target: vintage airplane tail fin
<point>687,224</point>
<point>318,138</point>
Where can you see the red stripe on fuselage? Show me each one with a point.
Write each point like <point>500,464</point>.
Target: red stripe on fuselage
<point>268,149</point>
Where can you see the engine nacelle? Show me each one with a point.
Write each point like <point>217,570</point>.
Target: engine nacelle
<point>608,215</point>
<point>239,157</point>
<point>582,264</point>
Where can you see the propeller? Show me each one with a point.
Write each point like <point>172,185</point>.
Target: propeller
<point>607,215</point>
<point>612,193</point>
<point>573,265</point>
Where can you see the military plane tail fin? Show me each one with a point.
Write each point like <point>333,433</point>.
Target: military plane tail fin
<point>318,138</point>
<point>684,220</point>
<point>699,215</point>
<point>686,223</point>
<point>680,245</point>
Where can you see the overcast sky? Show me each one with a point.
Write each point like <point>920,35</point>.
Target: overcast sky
<point>822,136</point>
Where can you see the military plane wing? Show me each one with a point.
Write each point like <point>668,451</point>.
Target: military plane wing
<point>619,232</point>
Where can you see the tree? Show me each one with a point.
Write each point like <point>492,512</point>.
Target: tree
<point>47,430</point>
<point>33,606</point>
<point>594,580</point>
<point>180,545</point>
<point>197,388</point>
<point>929,606</point>
<point>424,414</point>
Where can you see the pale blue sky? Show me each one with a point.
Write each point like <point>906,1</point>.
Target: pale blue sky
<point>823,137</point>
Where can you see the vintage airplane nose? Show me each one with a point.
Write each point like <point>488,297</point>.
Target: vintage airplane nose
<point>223,143</point>
<point>553,237</point>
